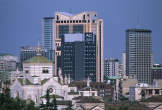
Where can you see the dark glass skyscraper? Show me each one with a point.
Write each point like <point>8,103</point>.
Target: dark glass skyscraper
<point>79,56</point>
<point>139,54</point>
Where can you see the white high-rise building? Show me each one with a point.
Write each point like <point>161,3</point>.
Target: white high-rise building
<point>111,67</point>
<point>123,64</point>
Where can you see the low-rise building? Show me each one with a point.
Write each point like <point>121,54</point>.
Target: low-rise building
<point>8,62</point>
<point>157,71</point>
<point>126,83</point>
<point>137,93</point>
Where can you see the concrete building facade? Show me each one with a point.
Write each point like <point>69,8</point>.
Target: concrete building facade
<point>111,67</point>
<point>157,71</point>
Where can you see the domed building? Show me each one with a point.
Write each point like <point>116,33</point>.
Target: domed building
<point>37,78</point>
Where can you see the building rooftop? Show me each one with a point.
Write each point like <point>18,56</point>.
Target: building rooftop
<point>65,13</point>
<point>138,30</point>
<point>48,18</point>
<point>157,66</point>
<point>90,99</point>
<point>6,54</point>
<point>38,59</point>
<point>88,89</point>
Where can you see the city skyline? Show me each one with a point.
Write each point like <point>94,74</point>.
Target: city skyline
<point>118,16</point>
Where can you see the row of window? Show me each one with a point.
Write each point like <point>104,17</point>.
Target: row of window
<point>43,71</point>
<point>74,21</point>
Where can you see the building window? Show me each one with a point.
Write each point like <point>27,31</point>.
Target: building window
<point>57,17</point>
<point>81,93</point>
<point>50,90</point>
<point>26,71</point>
<point>45,70</point>
<point>83,17</point>
<point>57,21</point>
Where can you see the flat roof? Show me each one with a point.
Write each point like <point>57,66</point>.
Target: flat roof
<point>138,30</point>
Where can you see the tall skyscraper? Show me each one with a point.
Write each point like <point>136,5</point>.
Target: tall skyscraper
<point>66,23</point>
<point>48,33</point>
<point>139,54</point>
<point>79,56</point>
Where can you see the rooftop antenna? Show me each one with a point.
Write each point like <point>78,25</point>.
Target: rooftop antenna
<point>38,49</point>
<point>138,20</point>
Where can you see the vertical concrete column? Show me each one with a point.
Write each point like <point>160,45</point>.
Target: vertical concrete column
<point>153,92</point>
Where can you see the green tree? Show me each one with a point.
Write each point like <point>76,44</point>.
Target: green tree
<point>111,108</point>
<point>54,103</point>
<point>123,108</point>
<point>47,106</point>
<point>70,106</point>
<point>9,103</point>
<point>42,106</point>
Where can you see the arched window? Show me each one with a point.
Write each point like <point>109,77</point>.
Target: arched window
<point>83,17</point>
<point>17,94</point>
<point>57,17</point>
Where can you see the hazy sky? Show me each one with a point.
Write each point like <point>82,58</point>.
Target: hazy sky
<point>20,21</point>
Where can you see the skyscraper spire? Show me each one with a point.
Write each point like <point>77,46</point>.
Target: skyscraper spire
<point>38,49</point>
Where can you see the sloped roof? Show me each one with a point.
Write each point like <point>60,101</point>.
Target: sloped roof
<point>27,82</point>
<point>88,89</point>
<point>38,59</point>
<point>88,99</point>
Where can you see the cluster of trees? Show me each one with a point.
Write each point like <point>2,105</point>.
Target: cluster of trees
<point>52,105</point>
<point>121,108</point>
<point>49,105</point>
<point>126,106</point>
<point>9,103</point>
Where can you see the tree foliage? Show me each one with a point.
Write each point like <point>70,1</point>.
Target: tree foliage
<point>49,105</point>
<point>54,103</point>
<point>9,103</point>
<point>70,107</point>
